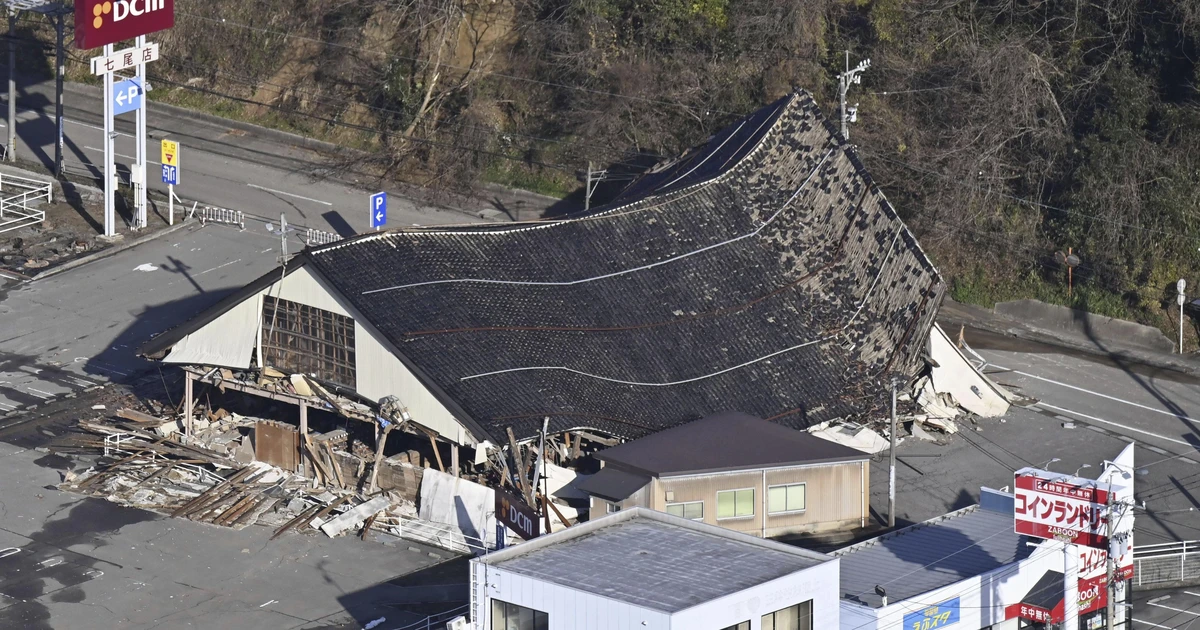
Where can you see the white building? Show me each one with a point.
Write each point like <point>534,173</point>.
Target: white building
<point>646,570</point>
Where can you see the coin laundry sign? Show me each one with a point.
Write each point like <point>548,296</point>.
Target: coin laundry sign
<point>1053,506</point>
<point>933,617</point>
<point>102,22</point>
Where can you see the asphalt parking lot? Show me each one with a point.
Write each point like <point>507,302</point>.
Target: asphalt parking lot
<point>1176,609</point>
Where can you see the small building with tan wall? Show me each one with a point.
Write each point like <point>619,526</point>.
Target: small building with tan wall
<point>738,472</point>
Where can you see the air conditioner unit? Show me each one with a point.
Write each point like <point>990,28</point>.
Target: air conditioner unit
<point>457,623</point>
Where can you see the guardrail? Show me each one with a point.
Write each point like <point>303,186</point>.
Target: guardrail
<point>320,237</point>
<point>433,621</point>
<point>1166,563</point>
<point>439,535</point>
<point>15,212</point>
<point>210,214</point>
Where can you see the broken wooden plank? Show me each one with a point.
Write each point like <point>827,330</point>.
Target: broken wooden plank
<point>436,453</point>
<point>351,518</point>
<point>378,456</point>
<point>137,416</point>
<point>367,525</point>
<point>337,468</point>
<point>238,476</point>
<point>324,511</point>
<point>314,455</point>
<point>302,516</point>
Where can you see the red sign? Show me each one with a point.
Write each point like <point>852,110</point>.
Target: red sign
<point>102,22</point>
<point>1052,508</point>
<point>1033,613</point>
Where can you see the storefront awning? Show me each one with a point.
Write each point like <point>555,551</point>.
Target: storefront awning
<point>1043,603</point>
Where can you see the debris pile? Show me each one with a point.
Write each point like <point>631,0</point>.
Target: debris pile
<point>141,465</point>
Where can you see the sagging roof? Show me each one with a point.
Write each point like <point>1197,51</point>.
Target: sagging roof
<point>762,272</point>
<point>614,484</point>
<point>726,442</point>
<point>939,552</point>
<point>653,560</point>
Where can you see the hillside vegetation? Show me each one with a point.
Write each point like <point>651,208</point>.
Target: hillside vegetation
<point>1002,130</point>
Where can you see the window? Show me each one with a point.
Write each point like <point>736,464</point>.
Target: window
<point>506,616</point>
<point>613,507</point>
<point>735,503</point>
<point>798,617</point>
<point>745,625</point>
<point>693,510</point>
<point>299,339</point>
<point>789,498</point>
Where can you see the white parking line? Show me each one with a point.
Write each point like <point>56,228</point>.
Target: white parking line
<point>1192,594</point>
<point>1088,391</point>
<point>1178,610</point>
<point>219,266</point>
<point>1149,623</point>
<point>280,192</point>
<point>1116,424</point>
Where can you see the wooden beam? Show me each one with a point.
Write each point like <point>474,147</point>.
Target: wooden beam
<point>437,453</point>
<point>316,460</point>
<point>337,468</point>
<point>381,440</point>
<point>187,404</point>
<point>562,519</point>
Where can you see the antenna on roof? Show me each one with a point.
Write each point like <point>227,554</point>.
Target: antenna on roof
<point>845,80</point>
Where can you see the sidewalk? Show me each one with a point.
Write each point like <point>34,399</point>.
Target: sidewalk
<point>954,314</point>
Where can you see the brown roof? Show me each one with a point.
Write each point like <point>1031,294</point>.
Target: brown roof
<point>724,442</point>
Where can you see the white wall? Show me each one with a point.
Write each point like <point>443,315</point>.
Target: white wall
<point>956,376</point>
<point>228,341</point>
<point>570,609</point>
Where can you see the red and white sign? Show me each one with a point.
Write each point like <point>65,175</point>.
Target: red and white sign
<point>1033,613</point>
<point>1047,506</point>
<point>102,22</point>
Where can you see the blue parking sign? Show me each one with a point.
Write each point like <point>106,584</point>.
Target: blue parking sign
<point>170,175</point>
<point>378,210</point>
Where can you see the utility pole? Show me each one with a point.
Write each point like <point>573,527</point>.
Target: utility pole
<point>60,64</point>
<point>592,180</point>
<point>11,152</point>
<point>892,465</point>
<point>1110,561</point>
<point>139,196</point>
<point>845,80</point>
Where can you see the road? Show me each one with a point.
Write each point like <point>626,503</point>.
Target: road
<point>1175,609</point>
<point>259,172</point>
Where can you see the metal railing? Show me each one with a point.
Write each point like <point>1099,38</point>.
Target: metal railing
<point>1166,563</point>
<point>211,214</point>
<point>320,237</point>
<point>440,535</point>
<point>15,212</point>
<point>433,621</point>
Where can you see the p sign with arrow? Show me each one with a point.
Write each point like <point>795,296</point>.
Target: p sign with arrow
<point>378,210</point>
<point>127,97</point>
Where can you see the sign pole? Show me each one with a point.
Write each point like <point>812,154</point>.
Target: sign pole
<point>109,187</point>
<point>59,75</point>
<point>171,203</point>
<point>1110,562</point>
<point>1070,586</point>
<point>892,463</point>
<point>12,85</point>
<point>140,197</point>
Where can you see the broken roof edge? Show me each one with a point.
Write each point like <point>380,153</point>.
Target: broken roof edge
<point>163,341</point>
<point>638,512</point>
<point>599,213</point>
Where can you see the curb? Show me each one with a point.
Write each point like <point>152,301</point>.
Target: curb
<point>109,251</point>
<point>84,89</point>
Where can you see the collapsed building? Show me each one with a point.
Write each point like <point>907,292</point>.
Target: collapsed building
<point>763,272</point>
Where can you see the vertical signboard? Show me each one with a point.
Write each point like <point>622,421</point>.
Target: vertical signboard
<point>517,516</point>
<point>1054,506</point>
<point>102,22</point>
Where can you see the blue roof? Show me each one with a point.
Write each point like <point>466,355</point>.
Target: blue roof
<point>933,554</point>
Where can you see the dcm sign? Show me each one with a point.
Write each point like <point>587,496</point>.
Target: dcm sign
<point>102,22</point>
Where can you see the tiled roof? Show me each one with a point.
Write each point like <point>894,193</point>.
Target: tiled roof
<point>762,272</point>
